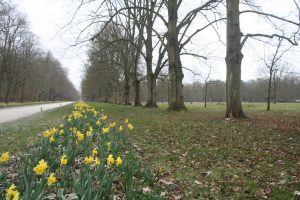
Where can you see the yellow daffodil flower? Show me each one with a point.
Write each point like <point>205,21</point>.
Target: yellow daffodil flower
<point>51,139</point>
<point>11,192</point>
<point>95,152</point>
<point>90,131</point>
<point>97,161</point>
<point>104,117</point>
<point>88,160</point>
<point>130,127</point>
<point>111,125</point>
<point>80,136</point>
<point>118,161</point>
<point>41,167</point>
<point>53,131</point>
<point>126,121</point>
<point>51,179</point>
<point>46,133</point>
<point>98,123</point>
<point>63,160</point>
<point>4,157</point>
<point>110,159</point>
<point>105,130</point>
<point>121,128</point>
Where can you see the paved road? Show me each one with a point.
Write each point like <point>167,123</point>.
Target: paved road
<point>10,114</point>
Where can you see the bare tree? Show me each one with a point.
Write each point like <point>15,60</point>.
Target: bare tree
<point>207,81</point>
<point>233,61</point>
<point>175,44</point>
<point>272,66</point>
<point>172,42</point>
<point>234,55</point>
<point>24,67</point>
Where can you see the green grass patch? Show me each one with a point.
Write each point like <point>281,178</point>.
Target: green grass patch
<point>198,154</point>
<point>207,157</point>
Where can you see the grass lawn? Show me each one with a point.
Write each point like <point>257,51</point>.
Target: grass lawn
<point>197,154</point>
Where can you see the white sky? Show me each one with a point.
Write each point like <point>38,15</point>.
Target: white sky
<point>48,17</point>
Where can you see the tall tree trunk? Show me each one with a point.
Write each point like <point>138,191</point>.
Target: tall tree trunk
<point>137,99</point>
<point>275,84</point>
<point>136,81</point>
<point>106,100</point>
<point>233,59</point>
<point>205,94</point>
<point>151,87</point>
<point>116,94</point>
<point>269,91</point>
<point>126,91</point>
<point>151,79</point>
<point>175,67</point>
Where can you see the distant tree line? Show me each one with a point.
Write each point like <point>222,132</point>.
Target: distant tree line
<point>131,55</point>
<point>27,72</point>
<point>287,90</point>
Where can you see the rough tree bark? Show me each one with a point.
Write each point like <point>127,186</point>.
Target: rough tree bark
<point>233,59</point>
<point>151,99</point>
<point>175,67</point>
<point>126,90</point>
<point>137,99</point>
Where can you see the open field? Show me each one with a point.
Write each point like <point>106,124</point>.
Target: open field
<point>197,153</point>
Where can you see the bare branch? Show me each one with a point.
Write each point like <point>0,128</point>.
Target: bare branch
<point>197,31</point>
<point>193,54</point>
<point>250,35</point>
<point>270,15</point>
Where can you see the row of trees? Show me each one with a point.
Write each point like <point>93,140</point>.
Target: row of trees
<point>284,90</point>
<point>139,38</point>
<point>28,73</point>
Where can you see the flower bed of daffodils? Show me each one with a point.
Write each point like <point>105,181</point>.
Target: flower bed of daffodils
<point>86,157</point>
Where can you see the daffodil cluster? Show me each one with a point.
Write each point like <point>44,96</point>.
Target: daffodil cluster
<point>85,153</point>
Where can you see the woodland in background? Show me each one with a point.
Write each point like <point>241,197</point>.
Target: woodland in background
<point>138,46</point>
<point>287,90</point>
<point>27,72</point>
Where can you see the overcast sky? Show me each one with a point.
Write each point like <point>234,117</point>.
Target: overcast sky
<point>47,20</point>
